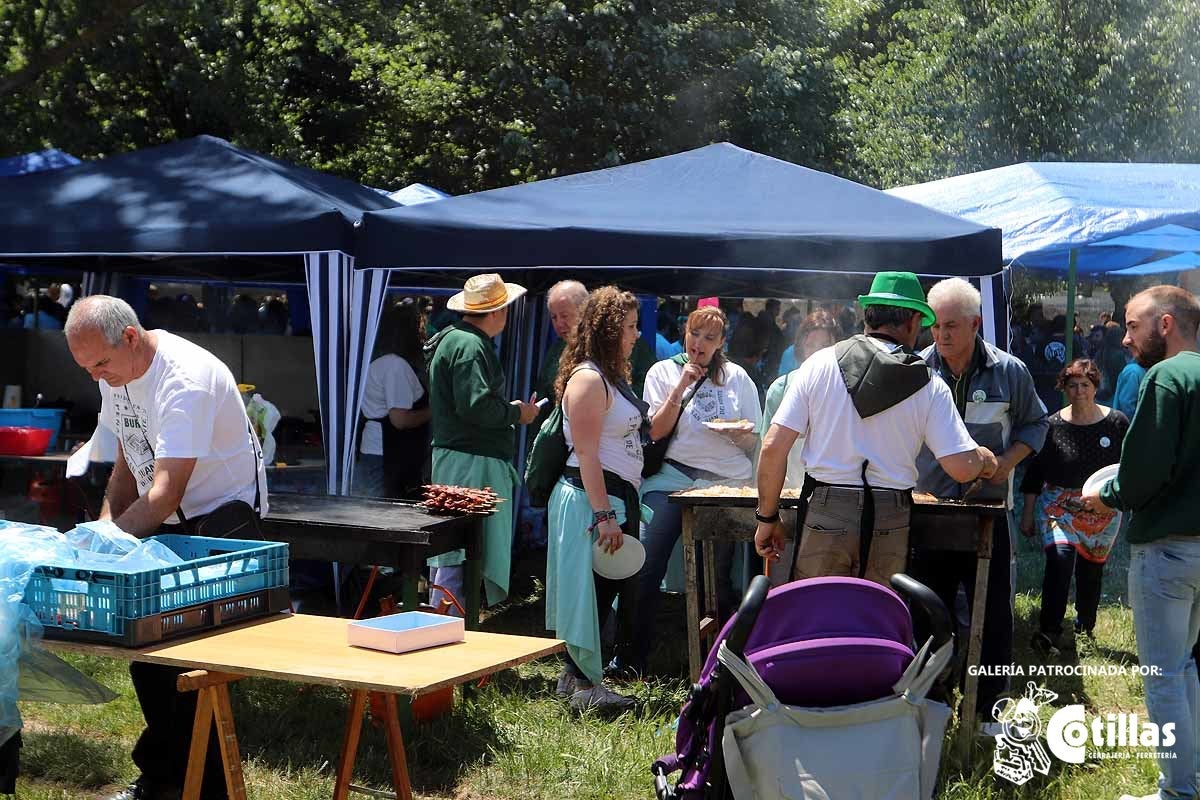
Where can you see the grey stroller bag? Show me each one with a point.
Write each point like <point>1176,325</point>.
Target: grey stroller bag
<point>885,749</point>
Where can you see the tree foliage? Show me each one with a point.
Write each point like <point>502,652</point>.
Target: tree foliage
<point>474,94</point>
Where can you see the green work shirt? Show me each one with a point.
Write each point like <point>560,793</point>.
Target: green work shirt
<point>1160,461</point>
<point>466,396</point>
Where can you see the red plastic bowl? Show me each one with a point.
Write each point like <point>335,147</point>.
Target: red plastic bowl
<point>24,441</point>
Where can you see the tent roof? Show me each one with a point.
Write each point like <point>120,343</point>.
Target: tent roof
<point>36,162</point>
<point>1048,209</point>
<point>193,198</point>
<point>1180,262</point>
<point>718,208</point>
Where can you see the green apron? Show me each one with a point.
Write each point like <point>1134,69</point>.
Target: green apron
<point>455,468</point>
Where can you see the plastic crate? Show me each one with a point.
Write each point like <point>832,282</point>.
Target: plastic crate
<point>220,581</point>
<point>51,418</point>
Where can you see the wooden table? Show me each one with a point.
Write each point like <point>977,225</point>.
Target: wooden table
<point>307,649</point>
<point>361,530</point>
<point>945,526</point>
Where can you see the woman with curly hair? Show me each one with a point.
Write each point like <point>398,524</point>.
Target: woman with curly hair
<point>597,497</point>
<point>1083,437</point>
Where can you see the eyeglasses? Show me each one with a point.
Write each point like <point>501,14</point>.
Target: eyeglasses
<point>1078,386</point>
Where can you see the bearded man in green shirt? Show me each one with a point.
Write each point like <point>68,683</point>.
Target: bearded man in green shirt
<point>473,441</point>
<point>1159,481</point>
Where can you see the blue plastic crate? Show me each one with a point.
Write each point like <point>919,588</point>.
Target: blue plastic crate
<point>51,418</point>
<point>67,599</point>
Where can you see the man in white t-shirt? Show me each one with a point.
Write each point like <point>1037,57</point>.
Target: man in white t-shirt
<point>865,407</point>
<point>184,449</point>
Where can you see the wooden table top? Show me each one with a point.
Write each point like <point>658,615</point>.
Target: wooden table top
<point>310,649</point>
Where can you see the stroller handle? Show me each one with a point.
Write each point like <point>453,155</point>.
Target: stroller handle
<point>747,614</point>
<point>921,596</point>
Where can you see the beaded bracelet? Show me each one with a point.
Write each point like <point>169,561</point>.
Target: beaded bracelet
<point>599,518</point>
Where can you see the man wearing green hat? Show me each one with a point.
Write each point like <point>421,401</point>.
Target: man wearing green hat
<point>865,406</point>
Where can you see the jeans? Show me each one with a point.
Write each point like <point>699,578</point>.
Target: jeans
<point>659,537</point>
<point>1164,593</point>
<point>1061,562</point>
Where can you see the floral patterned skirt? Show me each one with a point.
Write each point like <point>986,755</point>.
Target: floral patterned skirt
<point>1091,533</point>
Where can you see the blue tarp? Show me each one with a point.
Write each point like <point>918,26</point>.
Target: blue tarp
<point>1048,209</point>
<point>1180,262</point>
<point>200,196</point>
<point>719,208</point>
<point>41,161</point>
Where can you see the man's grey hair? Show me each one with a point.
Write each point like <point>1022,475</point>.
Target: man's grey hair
<point>959,294</point>
<point>574,290</point>
<point>108,315</point>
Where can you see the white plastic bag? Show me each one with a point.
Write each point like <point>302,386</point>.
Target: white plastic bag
<point>264,416</point>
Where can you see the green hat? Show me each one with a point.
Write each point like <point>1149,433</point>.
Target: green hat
<point>898,289</point>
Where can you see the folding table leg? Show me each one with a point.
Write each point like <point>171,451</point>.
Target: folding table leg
<point>212,704</point>
<point>198,751</point>
<point>354,720</point>
<point>395,742</point>
<point>983,562</point>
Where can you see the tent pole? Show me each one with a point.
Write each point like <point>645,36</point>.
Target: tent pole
<point>1069,334</point>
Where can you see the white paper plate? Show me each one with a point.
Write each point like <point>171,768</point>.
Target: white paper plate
<point>1100,477</point>
<point>730,426</point>
<point>622,564</point>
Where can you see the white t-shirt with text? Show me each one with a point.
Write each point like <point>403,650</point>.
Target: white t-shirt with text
<point>837,440</point>
<point>693,444</point>
<point>187,405</point>
<point>391,383</point>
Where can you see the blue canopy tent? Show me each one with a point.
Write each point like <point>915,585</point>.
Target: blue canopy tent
<point>717,220</point>
<point>1066,217</point>
<point>41,161</point>
<point>1180,262</point>
<point>202,208</point>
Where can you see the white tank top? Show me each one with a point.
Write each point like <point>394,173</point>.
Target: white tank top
<point>620,438</point>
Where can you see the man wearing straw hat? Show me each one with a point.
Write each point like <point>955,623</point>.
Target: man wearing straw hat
<point>473,442</point>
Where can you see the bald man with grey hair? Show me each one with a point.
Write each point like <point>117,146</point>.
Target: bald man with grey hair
<point>565,302</point>
<point>187,462</point>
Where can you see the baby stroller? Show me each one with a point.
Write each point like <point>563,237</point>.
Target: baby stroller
<point>812,691</point>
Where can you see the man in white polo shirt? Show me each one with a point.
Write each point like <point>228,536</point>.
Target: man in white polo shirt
<point>865,407</point>
<point>185,451</point>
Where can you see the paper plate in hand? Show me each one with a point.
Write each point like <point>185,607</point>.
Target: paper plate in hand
<point>1100,477</point>
<point>725,426</point>
<point>622,564</point>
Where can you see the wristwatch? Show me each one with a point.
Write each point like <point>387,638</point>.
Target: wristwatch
<point>763,518</point>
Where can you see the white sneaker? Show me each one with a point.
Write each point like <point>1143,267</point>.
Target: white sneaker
<point>600,698</point>
<point>566,684</point>
<point>1154,796</point>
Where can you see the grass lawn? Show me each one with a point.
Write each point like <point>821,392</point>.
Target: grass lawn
<point>515,739</point>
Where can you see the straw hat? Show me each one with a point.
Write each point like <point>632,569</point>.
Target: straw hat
<point>483,294</point>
